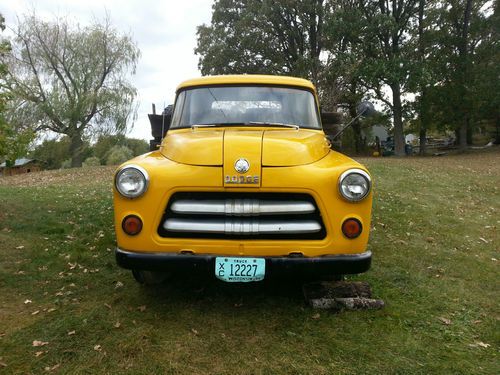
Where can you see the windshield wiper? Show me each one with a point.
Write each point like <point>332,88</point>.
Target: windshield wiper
<point>216,125</point>
<point>251,123</point>
<point>296,127</point>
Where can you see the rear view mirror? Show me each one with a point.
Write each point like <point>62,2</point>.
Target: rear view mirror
<point>366,109</point>
<point>331,118</point>
<point>159,126</point>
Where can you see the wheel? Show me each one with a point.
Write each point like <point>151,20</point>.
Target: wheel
<point>149,277</point>
<point>337,277</point>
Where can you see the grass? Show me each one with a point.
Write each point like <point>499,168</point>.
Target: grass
<point>435,244</point>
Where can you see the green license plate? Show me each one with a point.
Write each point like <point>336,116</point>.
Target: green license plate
<point>240,270</point>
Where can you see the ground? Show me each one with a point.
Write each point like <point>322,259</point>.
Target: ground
<point>65,307</point>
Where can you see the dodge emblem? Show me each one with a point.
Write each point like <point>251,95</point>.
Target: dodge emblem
<point>242,165</point>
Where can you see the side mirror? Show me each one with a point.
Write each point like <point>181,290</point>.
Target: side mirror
<point>160,123</point>
<point>331,118</point>
<point>366,109</point>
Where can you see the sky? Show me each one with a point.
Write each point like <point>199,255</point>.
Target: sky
<point>164,30</point>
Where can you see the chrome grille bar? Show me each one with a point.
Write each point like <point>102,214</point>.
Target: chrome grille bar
<point>235,226</point>
<point>241,207</point>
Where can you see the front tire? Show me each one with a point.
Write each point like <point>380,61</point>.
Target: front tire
<point>149,277</point>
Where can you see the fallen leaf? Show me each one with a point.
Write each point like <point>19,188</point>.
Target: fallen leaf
<point>97,348</point>
<point>35,312</point>
<point>71,333</point>
<point>107,305</point>
<point>445,321</point>
<point>484,240</point>
<point>482,344</point>
<point>27,301</point>
<point>194,331</point>
<point>38,354</point>
<point>51,309</point>
<point>40,343</point>
<point>316,316</point>
<point>477,321</point>
<point>20,247</point>
<point>142,308</point>
<point>3,364</point>
<point>117,325</point>
<point>55,367</point>
<point>118,284</point>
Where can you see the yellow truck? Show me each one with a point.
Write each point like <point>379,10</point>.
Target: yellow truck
<point>244,186</point>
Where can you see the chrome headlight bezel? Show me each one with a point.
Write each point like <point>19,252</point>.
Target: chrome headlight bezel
<point>141,174</point>
<point>364,175</point>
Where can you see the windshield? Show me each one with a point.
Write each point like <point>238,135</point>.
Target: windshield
<point>245,105</point>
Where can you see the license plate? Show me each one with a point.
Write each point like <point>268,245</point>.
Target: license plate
<point>240,270</point>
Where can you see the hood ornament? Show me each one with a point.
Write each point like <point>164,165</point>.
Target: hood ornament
<point>242,165</point>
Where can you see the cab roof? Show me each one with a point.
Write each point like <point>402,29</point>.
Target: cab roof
<point>247,79</point>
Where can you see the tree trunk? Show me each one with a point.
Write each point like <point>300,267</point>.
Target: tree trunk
<point>463,52</point>
<point>497,129</point>
<point>462,139</point>
<point>399,138</point>
<point>423,98</point>
<point>423,139</point>
<point>424,118</point>
<point>356,127</point>
<point>76,149</point>
<point>469,132</point>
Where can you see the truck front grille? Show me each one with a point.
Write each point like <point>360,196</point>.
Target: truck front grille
<point>242,215</point>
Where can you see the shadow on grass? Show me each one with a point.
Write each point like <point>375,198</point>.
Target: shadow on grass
<point>203,290</point>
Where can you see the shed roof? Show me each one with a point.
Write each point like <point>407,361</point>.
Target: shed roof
<point>18,163</point>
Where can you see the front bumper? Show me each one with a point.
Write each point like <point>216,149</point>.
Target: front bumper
<point>275,266</point>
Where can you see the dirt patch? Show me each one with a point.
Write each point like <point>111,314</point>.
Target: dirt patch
<point>61,177</point>
<point>471,161</point>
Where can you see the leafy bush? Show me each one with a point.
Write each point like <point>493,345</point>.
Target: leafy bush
<point>102,148</point>
<point>118,155</point>
<point>93,161</point>
<point>54,152</point>
<point>66,164</point>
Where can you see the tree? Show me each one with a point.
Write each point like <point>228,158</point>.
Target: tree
<point>53,152</point>
<point>388,60</point>
<point>73,78</point>
<point>266,37</point>
<point>344,43</point>
<point>14,140</point>
<point>462,27</point>
<point>486,72</point>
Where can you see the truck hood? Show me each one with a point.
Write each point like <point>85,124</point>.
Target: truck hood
<point>263,147</point>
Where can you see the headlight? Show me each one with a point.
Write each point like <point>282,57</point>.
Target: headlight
<point>131,181</point>
<point>354,184</point>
